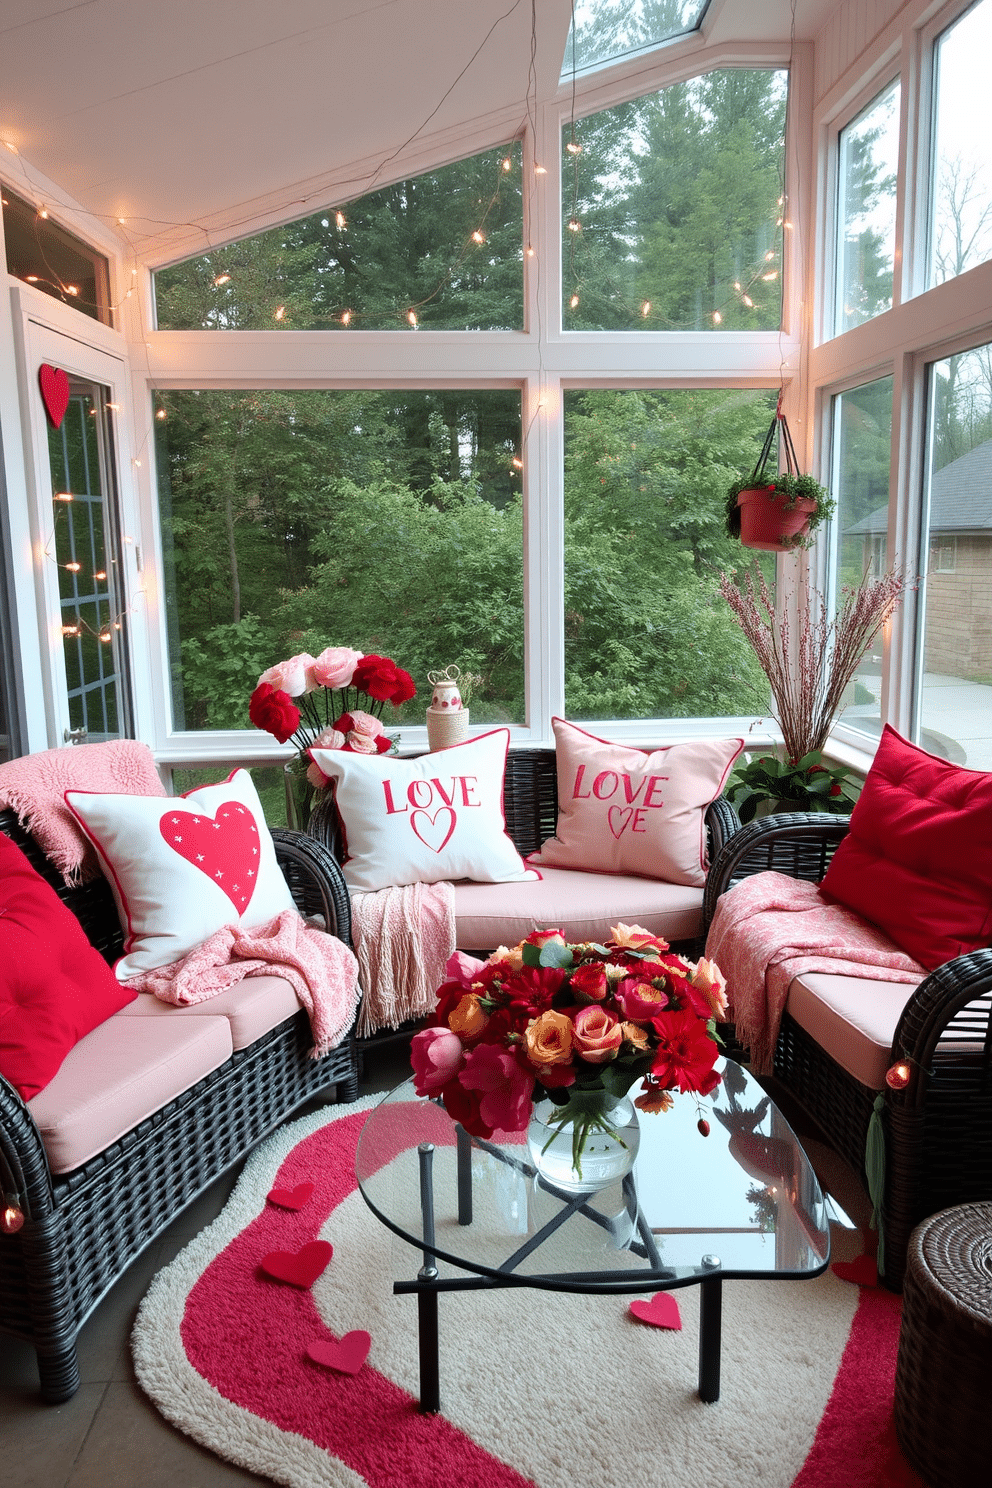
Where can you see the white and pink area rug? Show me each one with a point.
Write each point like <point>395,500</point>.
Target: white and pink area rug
<point>538,1389</point>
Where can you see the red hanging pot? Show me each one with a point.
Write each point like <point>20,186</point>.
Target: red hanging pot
<point>772,520</point>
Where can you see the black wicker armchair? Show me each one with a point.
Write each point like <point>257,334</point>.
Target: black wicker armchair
<point>938,1129</point>
<point>83,1228</point>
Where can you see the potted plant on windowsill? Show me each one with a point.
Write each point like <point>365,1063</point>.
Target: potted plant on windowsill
<point>775,784</point>
<point>777,512</point>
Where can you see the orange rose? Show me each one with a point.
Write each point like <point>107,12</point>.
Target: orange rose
<point>634,1034</point>
<point>707,978</point>
<point>654,1100</point>
<point>549,1039</point>
<point>514,959</point>
<point>635,938</point>
<point>598,1035</point>
<point>468,1018</point>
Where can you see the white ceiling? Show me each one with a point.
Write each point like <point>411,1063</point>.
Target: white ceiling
<point>192,118</point>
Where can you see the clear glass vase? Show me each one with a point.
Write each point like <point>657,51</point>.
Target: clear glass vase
<point>589,1142</point>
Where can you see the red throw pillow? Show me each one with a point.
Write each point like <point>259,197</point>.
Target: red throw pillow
<point>54,986</point>
<point>918,858</point>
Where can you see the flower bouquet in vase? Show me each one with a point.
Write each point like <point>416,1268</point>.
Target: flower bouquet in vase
<point>551,1037</point>
<point>331,701</point>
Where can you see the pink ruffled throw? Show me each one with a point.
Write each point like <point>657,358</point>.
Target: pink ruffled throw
<point>771,928</point>
<point>35,784</point>
<point>403,938</point>
<point>321,969</point>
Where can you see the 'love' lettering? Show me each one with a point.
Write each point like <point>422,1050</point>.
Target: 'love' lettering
<point>428,795</point>
<point>608,782</point>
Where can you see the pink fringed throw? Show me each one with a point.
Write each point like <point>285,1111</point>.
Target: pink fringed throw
<point>769,929</point>
<point>321,969</point>
<point>34,786</point>
<point>403,938</point>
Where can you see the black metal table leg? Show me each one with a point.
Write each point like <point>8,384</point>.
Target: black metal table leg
<point>464,1151</point>
<point>710,1320</point>
<point>430,1365</point>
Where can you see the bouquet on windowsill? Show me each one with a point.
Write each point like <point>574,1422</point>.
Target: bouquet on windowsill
<point>331,701</point>
<point>576,1024</point>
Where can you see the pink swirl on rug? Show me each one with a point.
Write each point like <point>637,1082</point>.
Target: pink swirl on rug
<point>247,1337</point>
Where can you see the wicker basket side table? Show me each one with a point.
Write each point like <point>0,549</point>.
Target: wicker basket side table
<point>944,1362</point>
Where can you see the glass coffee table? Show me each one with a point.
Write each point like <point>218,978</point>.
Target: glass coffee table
<point>743,1202</point>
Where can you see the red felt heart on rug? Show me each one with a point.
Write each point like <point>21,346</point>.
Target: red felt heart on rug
<point>346,1355</point>
<point>863,1271</point>
<point>54,392</point>
<point>301,1269</point>
<point>225,847</point>
<point>661,1312</point>
<point>291,1198</point>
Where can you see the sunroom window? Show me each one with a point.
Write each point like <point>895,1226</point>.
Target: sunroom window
<point>44,254</point>
<point>605,30</point>
<point>954,683</point>
<point>443,251</point>
<point>868,157</point>
<point>390,522</point>
<point>961,234</point>
<point>672,208</point>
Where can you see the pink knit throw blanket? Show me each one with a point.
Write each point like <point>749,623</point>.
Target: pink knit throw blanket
<point>34,786</point>
<point>769,929</point>
<point>403,937</point>
<point>321,969</point>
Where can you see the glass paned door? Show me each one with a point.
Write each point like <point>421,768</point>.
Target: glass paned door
<point>91,592</point>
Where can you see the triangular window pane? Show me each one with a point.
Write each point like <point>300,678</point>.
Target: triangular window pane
<point>605,30</point>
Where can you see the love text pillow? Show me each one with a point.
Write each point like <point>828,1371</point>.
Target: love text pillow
<point>918,858</point>
<point>423,820</point>
<point>621,810</point>
<point>184,866</point>
<point>54,986</point>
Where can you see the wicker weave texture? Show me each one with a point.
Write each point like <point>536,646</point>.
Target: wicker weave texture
<point>945,1348</point>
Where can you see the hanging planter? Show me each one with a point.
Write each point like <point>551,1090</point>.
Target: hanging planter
<point>777,512</point>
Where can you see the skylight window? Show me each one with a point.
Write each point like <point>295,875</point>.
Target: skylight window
<point>606,30</point>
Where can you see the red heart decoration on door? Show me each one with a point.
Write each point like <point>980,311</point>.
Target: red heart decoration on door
<point>301,1269</point>
<point>225,847</point>
<point>661,1312</point>
<point>346,1355</point>
<point>54,392</point>
<point>291,1198</point>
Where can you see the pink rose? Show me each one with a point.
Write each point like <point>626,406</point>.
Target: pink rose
<point>335,666</point>
<point>597,1034</point>
<point>365,723</point>
<point>436,1055</point>
<point>294,676</point>
<point>505,1089</point>
<point>361,743</point>
<point>463,969</point>
<point>708,979</point>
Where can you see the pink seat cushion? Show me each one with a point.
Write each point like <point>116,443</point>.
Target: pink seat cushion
<point>584,905</point>
<point>54,986</point>
<point>918,858</point>
<point>117,1075</point>
<point>252,1007</point>
<point>853,1019</point>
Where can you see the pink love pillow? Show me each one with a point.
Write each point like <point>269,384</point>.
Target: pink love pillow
<point>183,867</point>
<point>625,810</point>
<point>422,820</point>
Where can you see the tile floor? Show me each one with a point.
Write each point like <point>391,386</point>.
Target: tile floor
<point>110,1436</point>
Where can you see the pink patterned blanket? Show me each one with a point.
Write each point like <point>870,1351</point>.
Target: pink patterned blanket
<point>771,928</point>
<point>321,969</point>
<point>403,938</point>
<point>34,786</point>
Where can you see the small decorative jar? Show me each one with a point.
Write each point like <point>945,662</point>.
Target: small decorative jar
<point>447,720</point>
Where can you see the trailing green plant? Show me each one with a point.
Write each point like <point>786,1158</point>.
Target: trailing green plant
<point>796,488</point>
<point>805,784</point>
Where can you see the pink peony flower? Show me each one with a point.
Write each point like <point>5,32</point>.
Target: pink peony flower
<point>505,1089</point>
<point>436,1055</point>
<point>335,666</point>
<point>294,676</point>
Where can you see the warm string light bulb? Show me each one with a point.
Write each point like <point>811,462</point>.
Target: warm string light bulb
<point>70,630</point>
<point>574,225</point>
<point>898,1076</point>
<point>43,214</point>
<point>339,220</point>
<point>574,301</point>
<point>280,312</point>
<point>507,163</point>
<point>63,496</point>
<point>73,567</point>
<point>530,251</point>
<point>100,574</point>
<point>517,463</point>
<point>748,301</point>
<point>540,170</point>
<point>346,318</point>
<point>222,279</point>
<point>12,1215</point>
<point>412,318</point>
<point>478,237</point>
<point>161,414</point>
<point>717,318</point>
<point>573,148</point>
<point>646,308</point>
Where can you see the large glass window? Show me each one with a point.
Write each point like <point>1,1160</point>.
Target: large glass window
<point>673,208</point>
<point>605,30</point>
<point>43,253</point>
<point>862,442</point>
<point>866,218</point>
<point>962,177</point>
<point>443,251</point>
<point>647,634</point>
<point>955,678</point>
<point>390,522</point>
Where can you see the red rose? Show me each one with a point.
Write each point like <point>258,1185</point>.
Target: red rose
<point>273,711</point>
<point>834,790</point>
<point>383,680</point>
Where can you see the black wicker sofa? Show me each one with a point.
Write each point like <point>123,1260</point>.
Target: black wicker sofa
<point>937,1129</point>
<point>83,1228</point>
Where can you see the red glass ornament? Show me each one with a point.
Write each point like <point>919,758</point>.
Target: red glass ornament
<point>703,1127</point>
<point>899,1075</point>
<point>11,1217</point>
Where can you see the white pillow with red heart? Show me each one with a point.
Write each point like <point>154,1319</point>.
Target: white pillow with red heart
<point>439,816</point>
<point>182,867</point>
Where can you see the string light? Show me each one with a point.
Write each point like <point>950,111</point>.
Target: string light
<point>574,301</point>
<point>161,414</point>
<point>72,289</point>
<point>517,463</point>
<point>222,279</point>
<point>122,222</point>
<point>346,318</point>
<point>530,251</point>
<point>646,308</point>
<point>748,301</point>
<point>573,148</point>
<point>43,214</point>
<point>12,1215</point>
<point>63,496</point>
<point>73,567</point>
<point>105,636</point>
<point>339,220</point>
<point>101,574</point>
<point>540,170</point>
<point>574,225</point>
<point>772,275</point>
<point>717,318</point>
<point>478,237</point>
<point>280,312</point>
<point>507,163</point>
<point>11,147</point>
<point>70,630</point>
<point>32,278</point>
<point>412,318</point>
